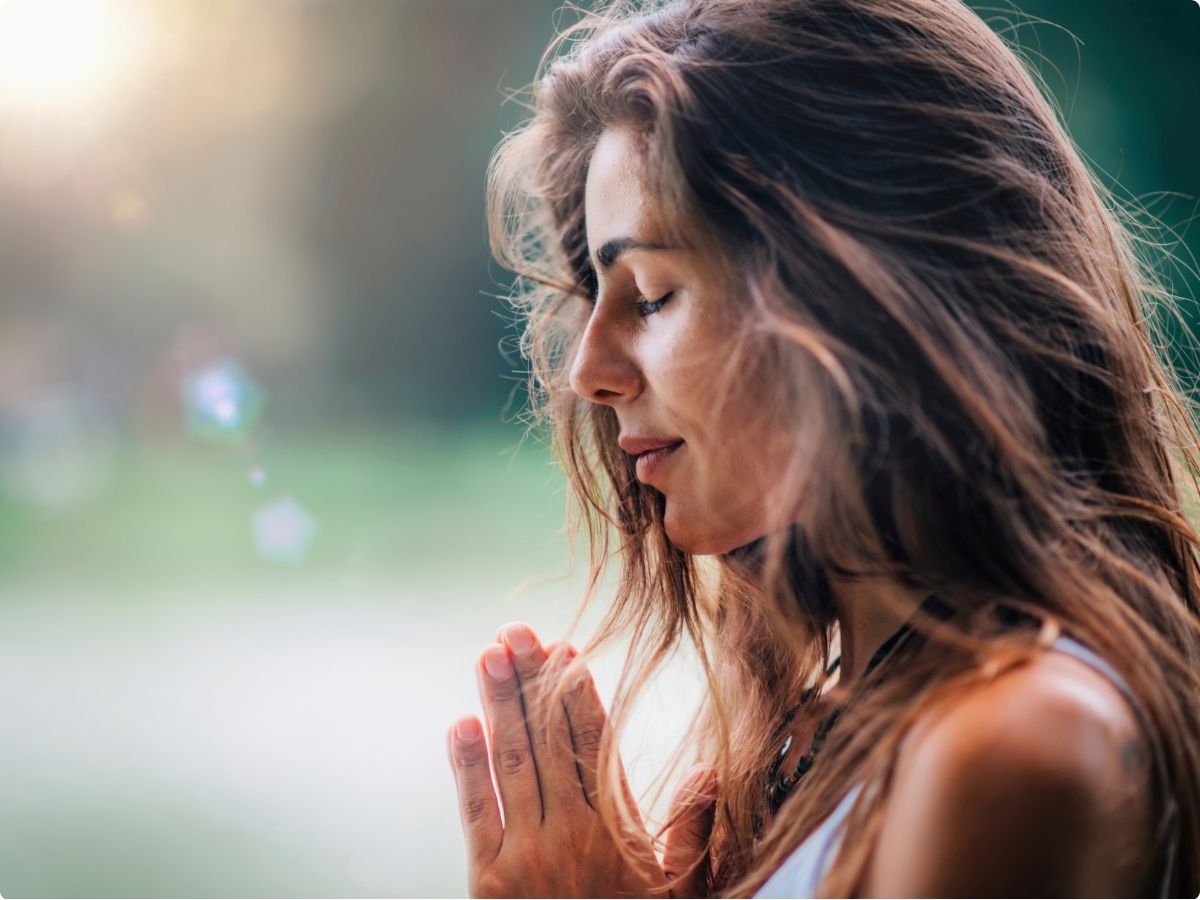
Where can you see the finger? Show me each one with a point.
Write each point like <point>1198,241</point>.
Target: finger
<point>589,728</point>
<point>476,797</point>
<point>692,811</point>
<point>511,754</point>
<point>560,654</point>
<point>546,724</point>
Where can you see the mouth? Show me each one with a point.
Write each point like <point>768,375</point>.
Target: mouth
<point>652,462</point>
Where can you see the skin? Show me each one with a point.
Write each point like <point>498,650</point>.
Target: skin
<point>1037,784</point>
<point>1065,731</point>
<point>552,842</point>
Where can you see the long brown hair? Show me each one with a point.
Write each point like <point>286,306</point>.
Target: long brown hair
<point>959,322</point>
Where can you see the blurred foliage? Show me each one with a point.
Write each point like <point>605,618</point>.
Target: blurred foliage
<point>1124,77</point>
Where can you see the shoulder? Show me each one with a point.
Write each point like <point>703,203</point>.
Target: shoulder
<point>1030,782</point>
<point>1053,717</point>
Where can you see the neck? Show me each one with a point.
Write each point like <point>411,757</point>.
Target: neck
<point>869,611</point>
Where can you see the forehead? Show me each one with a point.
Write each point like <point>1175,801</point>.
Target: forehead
<point>616,201</point>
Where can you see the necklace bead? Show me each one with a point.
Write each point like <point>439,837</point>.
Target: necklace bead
<point>778,785</point>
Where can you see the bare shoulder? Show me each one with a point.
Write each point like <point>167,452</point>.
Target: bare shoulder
<point>1054,714</point>
<point>1036,782</point>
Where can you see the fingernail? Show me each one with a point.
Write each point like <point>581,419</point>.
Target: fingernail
<point>467,731</point>
<point>495,660</point>
<point>519,638</point>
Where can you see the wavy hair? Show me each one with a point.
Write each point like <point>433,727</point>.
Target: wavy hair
<point>958,321</point>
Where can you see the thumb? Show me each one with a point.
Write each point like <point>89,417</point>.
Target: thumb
<point>692,810</point>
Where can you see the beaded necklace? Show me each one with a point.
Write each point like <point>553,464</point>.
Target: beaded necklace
<point>779,785</point>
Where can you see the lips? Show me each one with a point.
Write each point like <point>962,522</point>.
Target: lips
<point>636,446</point>
<point>651,462</point>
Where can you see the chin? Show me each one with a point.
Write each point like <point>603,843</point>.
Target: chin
<point>697,541</point>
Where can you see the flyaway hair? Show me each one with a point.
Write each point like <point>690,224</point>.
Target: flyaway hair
<point>966,331</point>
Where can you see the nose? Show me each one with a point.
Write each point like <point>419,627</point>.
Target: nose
<point>604,369</point>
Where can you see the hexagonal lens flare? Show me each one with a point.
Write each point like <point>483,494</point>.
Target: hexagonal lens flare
<point>222,401</point>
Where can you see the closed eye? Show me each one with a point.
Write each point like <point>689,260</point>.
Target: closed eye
<point>650,307</point>
<point>644,307</point>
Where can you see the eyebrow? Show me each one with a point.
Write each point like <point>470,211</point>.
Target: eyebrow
<point>610,250</point>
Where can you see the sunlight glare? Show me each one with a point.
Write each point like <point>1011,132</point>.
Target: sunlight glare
<point>57,52</point>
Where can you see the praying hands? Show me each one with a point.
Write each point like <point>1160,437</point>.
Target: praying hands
<point>552,841</point>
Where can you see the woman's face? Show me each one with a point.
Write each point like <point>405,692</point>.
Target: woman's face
<point>654,364</point>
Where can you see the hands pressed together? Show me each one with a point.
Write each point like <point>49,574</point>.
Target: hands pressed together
<point>552,842</point>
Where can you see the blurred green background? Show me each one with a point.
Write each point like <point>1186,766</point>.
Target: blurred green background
<point>227,665</point>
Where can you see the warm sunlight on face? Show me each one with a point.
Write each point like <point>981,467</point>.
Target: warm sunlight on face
<point>655,366</point>
<point>56,53</point>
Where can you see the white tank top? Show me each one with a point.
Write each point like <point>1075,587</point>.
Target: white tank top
<point>803,870</point>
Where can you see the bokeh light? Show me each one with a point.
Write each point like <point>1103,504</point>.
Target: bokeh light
<point>221,401</point>
<point>56,450</point>
<point>283,531</point>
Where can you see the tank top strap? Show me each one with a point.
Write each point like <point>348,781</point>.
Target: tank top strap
<point>1067,644</point>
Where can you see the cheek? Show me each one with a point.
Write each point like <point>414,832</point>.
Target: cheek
<point>739,476</point>
<point>684,350</point>
<point>713,512</point>
<point>742,474</point>
<point>718,497</point>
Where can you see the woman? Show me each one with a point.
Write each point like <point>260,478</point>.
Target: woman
<point>918,493</point>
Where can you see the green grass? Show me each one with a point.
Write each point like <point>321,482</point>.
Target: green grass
<point>386,503</point>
